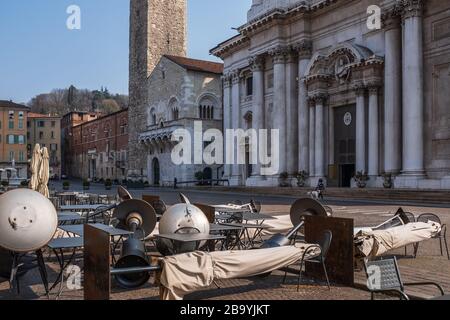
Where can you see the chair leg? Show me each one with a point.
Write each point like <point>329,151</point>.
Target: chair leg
<point>446,247</point>
<point>440,244</point>
<point>416,250</point>
<point>326,274</point>
<point>285,277</point>
<point>300,276</point>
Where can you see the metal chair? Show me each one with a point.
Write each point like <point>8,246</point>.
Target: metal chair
<point>441,236</point>
<point>384,278</point>
<point>256,206</point>
<point>324,245</point>
<point>411,219</point>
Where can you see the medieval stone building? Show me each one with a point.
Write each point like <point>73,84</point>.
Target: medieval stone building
<point>167,91</point>
<point>346,95</point>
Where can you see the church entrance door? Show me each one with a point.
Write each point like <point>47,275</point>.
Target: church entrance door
<point>345,144</point>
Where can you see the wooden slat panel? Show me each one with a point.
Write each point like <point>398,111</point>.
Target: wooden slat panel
<point>97,262</point>
<point>340,258</point>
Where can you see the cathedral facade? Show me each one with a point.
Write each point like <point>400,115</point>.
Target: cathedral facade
<point>346,95</point>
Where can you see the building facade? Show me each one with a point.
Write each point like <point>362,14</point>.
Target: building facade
<point>13,140</point>
<point>345,95</point>
<point>68,122</point>
<point>99,148</point>
<point>181,93</point>
<point>46,131</point>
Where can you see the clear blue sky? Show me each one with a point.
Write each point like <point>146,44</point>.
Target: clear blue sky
<point>38,53</point>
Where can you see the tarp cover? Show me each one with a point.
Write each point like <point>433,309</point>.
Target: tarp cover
<point>376,243</point>
<point>190,272</point>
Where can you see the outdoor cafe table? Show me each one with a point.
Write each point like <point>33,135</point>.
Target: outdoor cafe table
<point>58,246</point>
<point>81,207</point>
<point>246,239</point>
<point>65,218</point>
<point>227,230</point>
<point>178,239</point>
<point>78,230</point>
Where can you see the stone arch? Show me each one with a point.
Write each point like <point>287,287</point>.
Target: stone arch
<point>173,109</point>
<point>324,63</point>
<point>208,105</point>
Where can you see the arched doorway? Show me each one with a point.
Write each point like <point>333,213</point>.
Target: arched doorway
<point>156,172</point>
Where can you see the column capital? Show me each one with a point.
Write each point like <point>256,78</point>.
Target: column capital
<point>360,89</point>
<point>235,76</point>
<point>279,54</point>
<point>392,18</point>
<point>257,63</point>
<point>303,48</point>
<point>374,87</point>
<point>226,80</point>
<point>320,98</point>
<point>412,8</point>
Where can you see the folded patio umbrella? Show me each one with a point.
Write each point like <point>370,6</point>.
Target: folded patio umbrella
<point>190,272</point>
<point>44,173</point>
<point>376,243</point>
<point>34,167</point>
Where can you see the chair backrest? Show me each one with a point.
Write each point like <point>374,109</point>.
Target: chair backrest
<point>425,217</point>
<point>411,216</point>
<point>149,198</point>
<point>256,206</point>
<point>383,275</point>
<point>325,242</point>
<point>159,206</point>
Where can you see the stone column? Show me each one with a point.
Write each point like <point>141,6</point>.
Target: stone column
<point>226,117</point>
<point>392,94</point>
<point>312,137</point>
<point>279,67</point>
<point>320,139</point>
<point>257,65</point>
<point>304,56</point>
<point>374,167</point>
<point>291,114</point>
<point>413,95</point>
<point>360,129</point>
<point>331,159</point>
<point>235,122</point>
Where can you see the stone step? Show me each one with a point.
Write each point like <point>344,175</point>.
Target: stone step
<point>426,196</point>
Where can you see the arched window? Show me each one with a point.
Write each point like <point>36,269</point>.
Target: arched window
<point>173,110</point>
<point>152,117</point>
<point>206,108</point>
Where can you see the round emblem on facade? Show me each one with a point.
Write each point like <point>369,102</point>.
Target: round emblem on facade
<point>348,119</point>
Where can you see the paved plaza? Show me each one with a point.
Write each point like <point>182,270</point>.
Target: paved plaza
<point>428,266</point>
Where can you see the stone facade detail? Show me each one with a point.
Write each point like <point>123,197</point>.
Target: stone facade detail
<point>387,84</point>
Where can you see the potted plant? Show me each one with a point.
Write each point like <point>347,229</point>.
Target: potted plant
<point>108,184</point>
<point>199,177</point>
<point>66,185</point>
<point>301,177</point>
<point>86,184</point>
<point>5,184</point>
<point>146,184</point>
<point>361,179</point>
<point>387,180</point>
<point>24,184</point>
<point>284,176</point>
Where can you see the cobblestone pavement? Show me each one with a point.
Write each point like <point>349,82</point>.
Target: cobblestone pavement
<point>429,265</point>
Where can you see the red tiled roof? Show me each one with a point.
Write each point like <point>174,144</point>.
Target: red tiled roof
<point>36,115</point>
<point>197,65</point>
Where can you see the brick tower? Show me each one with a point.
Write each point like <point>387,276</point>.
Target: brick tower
<point>157,27</point>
